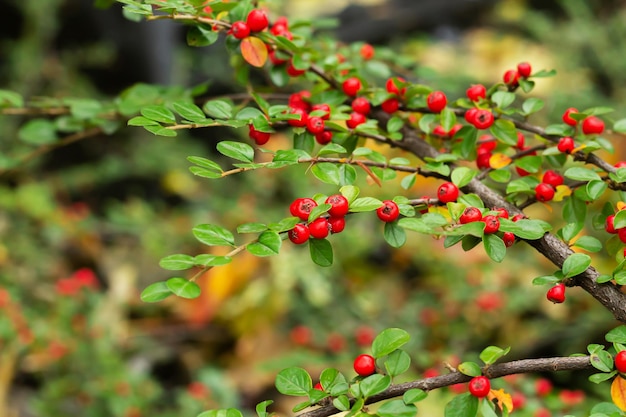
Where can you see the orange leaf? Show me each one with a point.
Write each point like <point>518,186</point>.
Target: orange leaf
<point>618,392</point>
<point>254,51</point>
<point>502,398</point>
<point>620,205</point>
<point>499,160</point>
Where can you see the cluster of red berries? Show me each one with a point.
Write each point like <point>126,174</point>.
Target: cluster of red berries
<point>256,21</point>
<point>512,76</point>
<point>545,190</point>
<point>311,116</point>
<point>492,221</point>
<point>590,125</point>
<point>322,226</point>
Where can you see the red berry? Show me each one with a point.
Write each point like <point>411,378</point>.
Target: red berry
<point>324,137</point>
<point>392,86</point>
<point>492,224</point>
<point>455,130</point>
<point>240,30</point>
<point>388,212</point>
<point>260,138</point>
<point>511,78</point>
<point>337,224</point>
<point>620,164</point>
<point>391,105</point>
<point>301,207</point>
<point>552,178</point>
<point>501,212</point>
<point>482,161</point>
<point>319,228</point>
<point>257,20</point>
<point>447,192</point>
<point>293,71</point>
<point>439,131</point>
<point>476,92</point>
<point>518,217</point>
<point>351,86</point>
<point>364,335</point>
<point>543,387</point>
<point>592,124</point>
<point>361,105</point>
<point>524,69</point>
<point>544,192</point>
<point>470,115</point>
<point>556,294</point>
<point>470,214</point>
<point>479,386</point>
<point>483,119</point>
<point>436,101</point>
<point>339,205</point>
<point>315,125</point>
<point>318,387</point>
<point>301,335</point>
<point>566,145</point>
<point>621,233</point>
<point>486,146</point>
<point>299,100</point>
<point>275,60</point>
<point>365,365</point>
<point>299,234</point>
<point>520,140</point>
<point>567,118</point>
<point>620,361</point>
<point>367,51</point>
<point>355,120</point>
<point>322,108</point>
<point>508,238</point>
<point>302,121</point>
<point>609,224</point>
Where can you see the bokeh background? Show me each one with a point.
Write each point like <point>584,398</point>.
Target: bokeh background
<point>83,226</point>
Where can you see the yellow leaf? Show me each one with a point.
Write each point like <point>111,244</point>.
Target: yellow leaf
<point>499,160</point>
<point>254,51</point>
<point>618,392</point>
<point>621,205</point>
<point>580,148</point>
<point>503,399</point>
<point>562,191</point>
<point>443,210</point>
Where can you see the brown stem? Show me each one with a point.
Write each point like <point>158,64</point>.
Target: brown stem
<point>568,363</point>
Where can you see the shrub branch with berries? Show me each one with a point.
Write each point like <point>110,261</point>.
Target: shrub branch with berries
<point>492,164</point>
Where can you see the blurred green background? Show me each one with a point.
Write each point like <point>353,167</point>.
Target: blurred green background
<point>111,206</point>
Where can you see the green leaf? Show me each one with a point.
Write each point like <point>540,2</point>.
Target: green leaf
<point>575,264</point>
<point>227,412</point>
<point>461,176</point>
<point>408,181</point>
<point>350,192</point>
<point>199,36</point>
<point>394,124</point>
<point>318,211</point>
<point>207,259</point>
<point>326,172</point>
<point>474,229</point>
<point>448,119</point>
<point>398,362</point>
<point>463,405</point>
<point>469,369</point>
<point>342,403</point>
<point>365,204</point>
<point>416,225</point>
<point>142,121</point>
<point>525,228</point>
<point>414,395</point>
<point>177,262</point>
<point>494,247</point>
<point>394,235</point>
<point>589,243</point>
<point>236,150</point>
<point>505,131</point>
<point>251,228</point>
<point>374,384</point>
<point>502,176</point>
<point>293,381</point>
<point>285,224</point>
<point>595,189</point>
<point>204,163</point>
<point>602,361</point>
<point>503,99</point>
<point>38,132</point>
<point>155,292</point>
<point>268,244</point>
<point>332,148</point>
<point>261,408</point>
<point>530,163</point>
<point>213,235</point>
<point>491,354</point>
<point>617,335</point>
<point>189,111</point>
<point>159,130</point>
<point>532,105</point>
<point>158,113</point>
<point>546,279</point>
<point>620,126</point>
<point>396,408</point>
<point>183,288</point>
<point>218,109</point>
<point>321,252</point>
<point>10,99</point>
<point>601,377</point>
<point>581,174</point>
<point>389,340</point>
